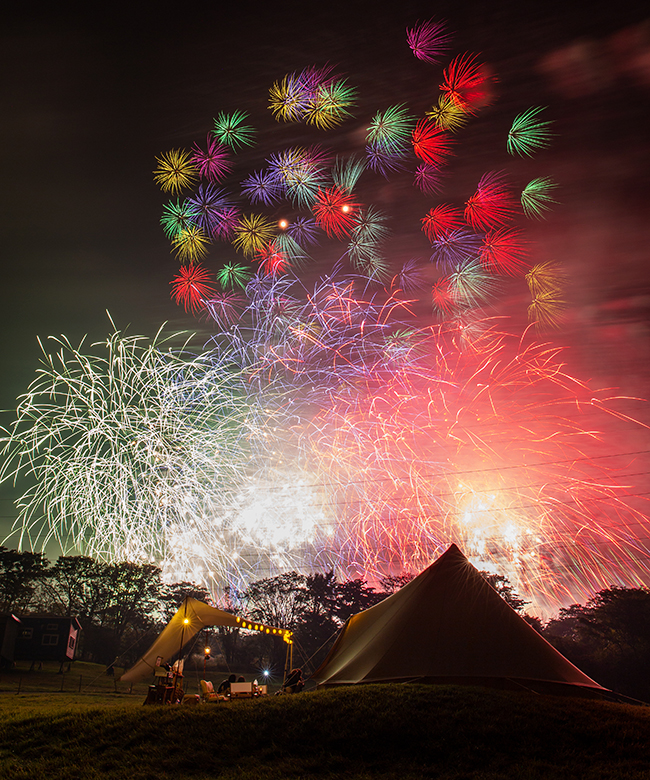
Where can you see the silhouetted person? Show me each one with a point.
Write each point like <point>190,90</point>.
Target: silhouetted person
<point>224,688</point>
<point>294,682</point>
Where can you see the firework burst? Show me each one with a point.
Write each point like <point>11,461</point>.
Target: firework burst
<point>429,40</point>
<point>175,171</point>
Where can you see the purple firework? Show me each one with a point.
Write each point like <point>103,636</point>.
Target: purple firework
<point>429,40</point>
<point>262,187</point>
<point>428,179</point>
<point>455,246</point>
<point>410,277</point>
<point>383,162</point>
<point>206,205</point>
<point>303,230</point>
<point>214,163</point>
<point>226,220</point>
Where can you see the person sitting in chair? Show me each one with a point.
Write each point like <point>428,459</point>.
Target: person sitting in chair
<point>224,688</point>
<point>294,682</point>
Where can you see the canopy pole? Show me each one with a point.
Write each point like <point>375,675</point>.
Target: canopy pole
<point>180,650</point>
<point>288,661</point>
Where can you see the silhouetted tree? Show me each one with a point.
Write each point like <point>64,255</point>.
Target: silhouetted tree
<point>175,593</point>
<point>609,638</point>
<point>393,582</point>
<point>20,574</point>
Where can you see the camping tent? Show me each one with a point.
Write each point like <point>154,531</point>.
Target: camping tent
<point>449,625</point>
<point>191,617</point>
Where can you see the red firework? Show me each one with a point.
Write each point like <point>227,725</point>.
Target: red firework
<point>430,143</point>
<point>192,287</point>
<point>466,82</point>
<point>335,209</point>
<point>272,260</point>
<point>491,205</point>
<point>439,220</point>
<point>443,297</point>
<point>502,251</point>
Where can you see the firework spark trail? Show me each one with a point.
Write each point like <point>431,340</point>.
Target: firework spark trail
<point>143,452</point>
<point>326,422</point>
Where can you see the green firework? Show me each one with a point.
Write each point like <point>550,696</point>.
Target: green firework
<point>536,197</point>
<point>234,275</point>
<point>230,130</point>
<point>528,133</point>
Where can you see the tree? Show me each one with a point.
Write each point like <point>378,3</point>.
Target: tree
<point>174,594</point>
<point>394,582</point>
<point>608,637</point>
<point>20,574</point>
<point>319,624</point>
<point>353,596</point>
<point>77,587</point>
<point>503,587</point>
<point>276,601</point>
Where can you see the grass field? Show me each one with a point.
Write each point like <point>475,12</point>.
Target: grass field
<point>381,731</point>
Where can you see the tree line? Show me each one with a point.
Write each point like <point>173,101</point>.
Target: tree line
<point>122,606</point>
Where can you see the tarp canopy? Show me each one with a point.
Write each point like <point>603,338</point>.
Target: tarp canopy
<point>191,617</point>
<point>447,625</point>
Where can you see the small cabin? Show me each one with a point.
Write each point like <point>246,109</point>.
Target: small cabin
<point>47,638</point>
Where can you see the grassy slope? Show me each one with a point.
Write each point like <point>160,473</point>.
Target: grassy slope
<point>376,731</point>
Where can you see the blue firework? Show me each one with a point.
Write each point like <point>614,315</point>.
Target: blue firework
<point>206,207</point>
<point>262,187</point>
<point>455,246</point>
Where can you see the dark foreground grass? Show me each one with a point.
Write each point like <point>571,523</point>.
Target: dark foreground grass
<point>383,731</point>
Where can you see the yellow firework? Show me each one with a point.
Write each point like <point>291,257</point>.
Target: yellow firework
<point>546,311</point>
<point>252,234</point>
<point>546,278</point>
<point>175,171</point>
<point>447,114</point>
<point>190,244</point>
<point>288,99</point>
<point>329,106</point>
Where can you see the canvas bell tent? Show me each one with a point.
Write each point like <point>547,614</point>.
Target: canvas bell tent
<point>448,625</point>
<point>191,617</point>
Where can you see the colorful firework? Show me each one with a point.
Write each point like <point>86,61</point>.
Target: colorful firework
<point>448,114</point>
<point>390,131</point>
<point>262,187</point>
<point>454,246</point>
<point>502,252</point>
<point>429,40</point>
<point>492,204</point>
<point>214,163</point>
<point>207,206</point>
<point>175,171</point>
<point>528,133</point>
<point>233,275</point>
<point>466,82</point>
<point>536,197</point>
<point>252,234</point>
<point>429,179</point>
<point>441,220</point>
<point>190,244</point>
<point>335,211</point>
<point>231,130</point>
<point>330,105</point>
<point>192,287</point>
<point>430,143</point>
<point>410,434</point>
<point>176,217</point>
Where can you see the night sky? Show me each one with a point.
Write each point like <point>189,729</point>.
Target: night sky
<point>88,101</point>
